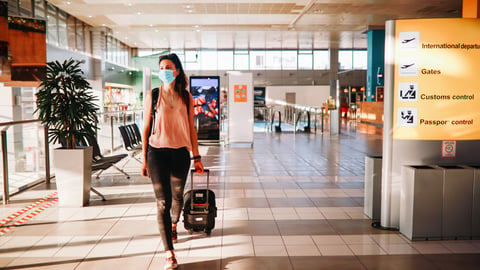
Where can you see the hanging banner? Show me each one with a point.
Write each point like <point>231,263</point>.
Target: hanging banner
<point>436,86</point>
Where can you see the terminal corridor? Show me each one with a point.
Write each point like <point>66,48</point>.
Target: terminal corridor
<point>292,201</point>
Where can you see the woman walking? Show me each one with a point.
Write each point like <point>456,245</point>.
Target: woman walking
<point>167,142</point>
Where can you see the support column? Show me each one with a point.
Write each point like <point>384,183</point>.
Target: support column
<point>471,9</point>
<point>375,63</point>
<point>334,92</point>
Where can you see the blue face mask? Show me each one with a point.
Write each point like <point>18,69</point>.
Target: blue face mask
<point>166,75</point>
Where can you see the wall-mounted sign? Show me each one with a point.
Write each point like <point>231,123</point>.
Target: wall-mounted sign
<point>240,93</point>
<point>436,86</point>
<point>449,148</point>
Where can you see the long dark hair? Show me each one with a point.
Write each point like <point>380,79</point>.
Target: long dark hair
<point>181,82</point>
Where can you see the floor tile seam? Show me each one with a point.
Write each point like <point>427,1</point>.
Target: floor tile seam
<point>86,257</point>
<point>339,233</point>
<point>45,236</point>
<point>283,240</point>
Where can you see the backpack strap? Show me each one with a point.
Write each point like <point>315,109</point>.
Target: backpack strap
<point>155,95</point>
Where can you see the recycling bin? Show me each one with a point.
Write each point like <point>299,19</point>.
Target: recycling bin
<point>373,187</point>
<point>421,202</point>
<point>457,202</point>
<point>476,203</point>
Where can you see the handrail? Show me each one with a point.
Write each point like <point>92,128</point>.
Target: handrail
<point>294,112</point>
<point>300,114</point>
<point>12,123</point>
<point>279,127</point>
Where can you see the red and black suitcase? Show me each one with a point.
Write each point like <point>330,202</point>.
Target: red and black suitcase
<point>199,209</point>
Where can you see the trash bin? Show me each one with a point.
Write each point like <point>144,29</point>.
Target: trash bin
<point>457,202</point>
<point>421,202</point>
<point>476,203</point>
<point>373,187</point>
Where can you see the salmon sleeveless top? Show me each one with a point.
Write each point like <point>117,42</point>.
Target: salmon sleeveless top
<point>171,127</point>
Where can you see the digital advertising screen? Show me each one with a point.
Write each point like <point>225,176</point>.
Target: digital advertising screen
<point>26,38</point>
<point>205,93</point>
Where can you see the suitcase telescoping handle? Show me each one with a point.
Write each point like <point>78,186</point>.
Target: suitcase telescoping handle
<point>193,171</point>
<point>207,171</point>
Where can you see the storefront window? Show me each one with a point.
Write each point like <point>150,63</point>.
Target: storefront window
<point>192,60</point>
<point>13,8</point>
<point>79,36</point>
<point>62,29</point>
<point>321,60</point>
<point>305,61</point>
<point>274,60</point>
<point>39,9</point>
<point>241,61</point>
<point>225,60</point>
<point>360,59</point>
<point>71,33</point>
<point>52,31</point>
<point>289,60</point>
<point>208,60</point>
<point>257,60</point>
<point>26,8</point>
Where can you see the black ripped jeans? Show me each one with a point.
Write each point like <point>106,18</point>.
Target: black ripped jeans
<point>168,170</point>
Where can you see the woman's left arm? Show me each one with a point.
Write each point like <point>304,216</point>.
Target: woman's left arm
<point>194,139</point>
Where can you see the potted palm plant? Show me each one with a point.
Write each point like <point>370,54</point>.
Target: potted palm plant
<point>66,104</point>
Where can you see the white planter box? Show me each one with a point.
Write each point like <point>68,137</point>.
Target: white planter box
<point>73,174</point>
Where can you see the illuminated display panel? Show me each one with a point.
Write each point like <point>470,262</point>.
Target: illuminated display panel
<point>436,86</point>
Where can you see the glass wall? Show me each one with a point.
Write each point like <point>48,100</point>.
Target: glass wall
<point>116,51</point>
<point>265,59</point>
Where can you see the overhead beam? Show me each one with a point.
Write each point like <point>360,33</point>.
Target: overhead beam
<point>305,9</point>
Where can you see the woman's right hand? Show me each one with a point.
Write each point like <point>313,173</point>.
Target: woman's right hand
<point>144,170</point>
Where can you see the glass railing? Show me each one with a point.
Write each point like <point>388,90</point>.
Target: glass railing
<point>26,152</point>
<point>108,135</point>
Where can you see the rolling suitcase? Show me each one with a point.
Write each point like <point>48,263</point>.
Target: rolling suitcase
<point>199,209</point>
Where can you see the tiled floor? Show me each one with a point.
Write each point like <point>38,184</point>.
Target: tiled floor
<point>290,202</point>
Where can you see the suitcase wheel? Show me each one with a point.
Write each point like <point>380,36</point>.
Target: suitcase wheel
<point>208,231</point>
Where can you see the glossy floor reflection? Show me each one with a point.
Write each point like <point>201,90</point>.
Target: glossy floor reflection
<point>293,201</point>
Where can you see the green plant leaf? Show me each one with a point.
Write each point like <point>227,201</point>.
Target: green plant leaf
<point>65,102</point>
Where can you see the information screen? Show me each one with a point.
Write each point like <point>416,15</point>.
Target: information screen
<point>205,92</point>
<point>436,86</point>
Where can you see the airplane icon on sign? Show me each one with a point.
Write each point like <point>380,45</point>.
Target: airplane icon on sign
<point>408,40</point>
<point>407,66</point>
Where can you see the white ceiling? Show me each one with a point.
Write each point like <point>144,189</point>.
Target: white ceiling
<point>250,24</point>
